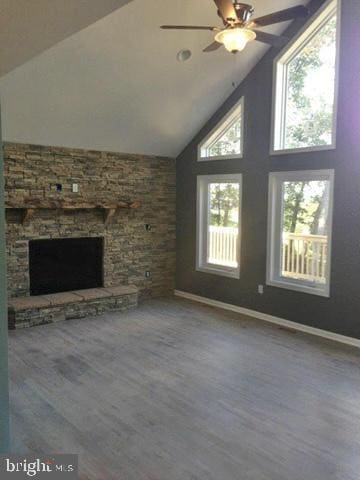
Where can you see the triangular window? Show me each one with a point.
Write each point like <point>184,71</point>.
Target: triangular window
<point>225,140</point>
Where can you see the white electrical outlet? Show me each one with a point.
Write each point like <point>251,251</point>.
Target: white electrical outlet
<point>75,188</point>
<point>261,289</point>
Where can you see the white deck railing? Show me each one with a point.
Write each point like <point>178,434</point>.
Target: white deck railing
<point>304,256</point>
<point>223,243</point>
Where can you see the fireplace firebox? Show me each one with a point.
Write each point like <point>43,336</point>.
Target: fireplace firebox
<point>62,265</point>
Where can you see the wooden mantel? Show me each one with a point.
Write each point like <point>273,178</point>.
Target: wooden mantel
<point>29,207</point>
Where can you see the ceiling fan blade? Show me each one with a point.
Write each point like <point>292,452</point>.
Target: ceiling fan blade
<point>212,47</point>
<point>274,40</point>
<point>281,16</point>
<point>188,27</point>
<point>226,10</point>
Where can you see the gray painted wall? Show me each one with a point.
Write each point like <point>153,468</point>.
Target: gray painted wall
<point>4,392</point>
<point>341,312</point>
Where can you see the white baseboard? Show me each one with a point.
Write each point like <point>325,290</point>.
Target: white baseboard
<point>270,318</point>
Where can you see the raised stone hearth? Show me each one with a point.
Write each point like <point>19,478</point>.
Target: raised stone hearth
<point>42,309</point>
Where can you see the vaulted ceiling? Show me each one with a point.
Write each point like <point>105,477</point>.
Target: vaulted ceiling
<point>116,84</point>
<point>29,27</point>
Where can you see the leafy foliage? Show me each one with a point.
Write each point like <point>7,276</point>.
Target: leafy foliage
<point>224,204</point>
<point>228,143</point>
<point>311,78</point>
<point>305,206</point>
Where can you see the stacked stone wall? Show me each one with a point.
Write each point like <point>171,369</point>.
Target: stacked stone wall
<point>130,249</point>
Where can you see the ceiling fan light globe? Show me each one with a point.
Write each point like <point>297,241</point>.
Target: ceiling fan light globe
<point>235,39</point>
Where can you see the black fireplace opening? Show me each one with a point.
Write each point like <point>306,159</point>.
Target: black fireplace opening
<point>62,265</point>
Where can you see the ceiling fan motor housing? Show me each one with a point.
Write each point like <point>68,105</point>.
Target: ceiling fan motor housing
<point>239,26</point>
<point>244,12</point>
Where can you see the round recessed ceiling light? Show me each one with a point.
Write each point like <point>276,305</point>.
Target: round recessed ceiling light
<point>183,55</point>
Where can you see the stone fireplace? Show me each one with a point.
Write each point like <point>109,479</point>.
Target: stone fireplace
<point>137,244</point>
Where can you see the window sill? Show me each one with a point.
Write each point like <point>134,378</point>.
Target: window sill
<point>220,157</point>
<point>297,287</point>
<point>218,271</point>
<point>289,151</point>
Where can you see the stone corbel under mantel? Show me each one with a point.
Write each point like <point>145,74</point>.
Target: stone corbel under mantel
<point>29,207</point>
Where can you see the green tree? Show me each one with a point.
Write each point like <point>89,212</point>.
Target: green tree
<point>319,211</point>
<point>294,211</point>
<point>309,124</point>
<point>229,142</point>
<point>304,205</point>
<point>223,201</point>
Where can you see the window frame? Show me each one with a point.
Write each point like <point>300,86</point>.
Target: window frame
<point>203,182</point>
<point>275,219</point>
<point>279,95</point>
<point>220,129</point>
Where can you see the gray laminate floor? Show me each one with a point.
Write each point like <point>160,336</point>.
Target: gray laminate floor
<point>179,391</point>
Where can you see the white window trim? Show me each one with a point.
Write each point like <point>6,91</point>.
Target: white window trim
<point>274,226</point>
<point>279,80</point>
<point>224,121</point>
<point>202,265</point>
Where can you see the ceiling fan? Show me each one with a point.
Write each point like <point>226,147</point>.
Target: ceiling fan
<point>240,28</point>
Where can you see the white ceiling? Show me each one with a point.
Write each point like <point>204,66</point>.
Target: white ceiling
<point>28,27</point>
<point>116,85</point>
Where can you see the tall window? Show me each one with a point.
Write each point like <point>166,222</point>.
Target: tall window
<point>225,140</point>
<point>218,224</point>
<point>299,243</point>
<point>305,86</point>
